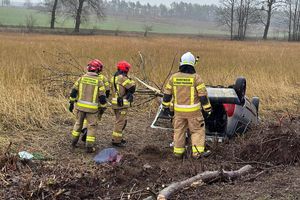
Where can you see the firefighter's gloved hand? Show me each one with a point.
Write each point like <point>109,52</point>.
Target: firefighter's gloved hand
<point>71,106</point>
<point>129,97</point>
<point>166,111</point>
<point>207,114</point>
<point>120,101</point>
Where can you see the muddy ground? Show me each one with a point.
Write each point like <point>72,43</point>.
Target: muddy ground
<point>273,149</point>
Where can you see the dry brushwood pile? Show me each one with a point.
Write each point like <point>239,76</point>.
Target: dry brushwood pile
<point>147,168</point>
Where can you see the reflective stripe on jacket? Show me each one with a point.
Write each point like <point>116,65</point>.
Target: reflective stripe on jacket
<point>89,87</point>
<point>186,90</point>
<point>119,88</point>
<point>105,81</point>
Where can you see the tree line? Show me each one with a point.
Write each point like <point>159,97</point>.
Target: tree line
<point>239,15</point>
<point>176,10</point>
<point>80,10</point>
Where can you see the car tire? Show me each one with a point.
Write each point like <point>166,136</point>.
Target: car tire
<point>240,88</point>
<point>255,102</point>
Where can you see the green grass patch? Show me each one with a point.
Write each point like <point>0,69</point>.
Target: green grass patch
<point>18,16</point>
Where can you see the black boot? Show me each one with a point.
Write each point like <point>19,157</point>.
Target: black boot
<point>119,144</point>
<point>90,149</point>
<point>74,142</point>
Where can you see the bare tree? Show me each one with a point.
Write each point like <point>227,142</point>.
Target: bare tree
<point>53,14</point>
<point>28,4</point>
<point>5,2</point>
<point>268,7</point>
<point>225,15</point>
<point>147,28</point>
<point>30,22</point>
<point>237,15</point>
<point>51,6</point>
<point>80,10</point>
<point>246,14</point>
<point>293,11</point>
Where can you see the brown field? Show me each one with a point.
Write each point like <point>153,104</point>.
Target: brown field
<point>271,68</point>
<point>34,116</point>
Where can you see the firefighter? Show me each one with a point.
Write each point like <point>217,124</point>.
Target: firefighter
<point>189,96</point>
<point>122,88</point>
<point>107,93</point>
<point>88,96</point>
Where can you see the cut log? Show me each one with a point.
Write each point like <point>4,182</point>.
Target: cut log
<point>202,177</point>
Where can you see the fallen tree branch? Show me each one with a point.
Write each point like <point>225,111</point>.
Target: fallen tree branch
<point>203,177</point>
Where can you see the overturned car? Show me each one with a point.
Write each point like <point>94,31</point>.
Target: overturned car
<point>232,112</point>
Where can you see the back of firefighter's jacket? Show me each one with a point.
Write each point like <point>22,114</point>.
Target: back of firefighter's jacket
<point>186,90</point>
<point>119,86</point>
<point>89,88</point>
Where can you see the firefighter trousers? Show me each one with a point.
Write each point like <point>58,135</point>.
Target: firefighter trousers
<point>85,122</point>
<point>120,124</point>
<point>197,130</point>
<point>92,120</point>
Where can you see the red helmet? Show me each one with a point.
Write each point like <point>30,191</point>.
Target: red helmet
<point>95,65</point>
<point>123,66</point>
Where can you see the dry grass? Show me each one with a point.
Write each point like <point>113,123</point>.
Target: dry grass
<point>271,68</point>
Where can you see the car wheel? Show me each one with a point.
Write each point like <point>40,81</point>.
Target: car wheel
<point>240,88</point>
<point>255,102</point>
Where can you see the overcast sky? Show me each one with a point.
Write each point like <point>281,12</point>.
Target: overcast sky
<point>166,2</point>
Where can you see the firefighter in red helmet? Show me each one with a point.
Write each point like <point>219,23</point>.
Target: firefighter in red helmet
<point>122,88</point>
<point>88,96</point>
<point>105,81</point>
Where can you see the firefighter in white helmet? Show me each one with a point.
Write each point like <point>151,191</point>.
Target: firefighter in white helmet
<point>189,95</point>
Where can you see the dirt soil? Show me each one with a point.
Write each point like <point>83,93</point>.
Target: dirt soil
<point>148,165</point>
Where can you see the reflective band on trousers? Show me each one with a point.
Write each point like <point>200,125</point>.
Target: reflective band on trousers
<point>86,104</point>
<point>85,122</point>
<point>179,150</point>
<point>199,149</point>
<point>75,134</point>
<point>166,104</point>
<point>72,99</point>
<point>114,101</point>
<point>116,134</point>
<point>187,108</point>
<point>90,139</point>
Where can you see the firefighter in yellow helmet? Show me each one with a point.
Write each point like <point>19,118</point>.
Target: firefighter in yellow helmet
<point>105,81</point>
<point>189,95</point>
<point>122,88</point>
<point>88,95</point>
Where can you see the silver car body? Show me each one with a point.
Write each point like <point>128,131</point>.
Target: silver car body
<point>243,117</point>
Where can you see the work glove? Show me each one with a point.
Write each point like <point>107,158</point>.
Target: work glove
<point>71,106</point>
<point>120,102</point>
<point>129,97</point>
<point>166,111</point>
<point>207,114</point>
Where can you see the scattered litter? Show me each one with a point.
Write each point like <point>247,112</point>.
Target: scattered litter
<point>109,155</point>
<point>24,155</point>
<point>147,166</point>
<point>38,156</point>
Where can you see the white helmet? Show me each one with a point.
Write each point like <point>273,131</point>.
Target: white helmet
<point>188,59</point>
